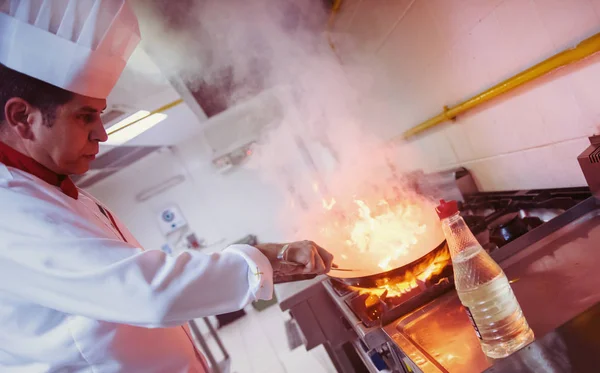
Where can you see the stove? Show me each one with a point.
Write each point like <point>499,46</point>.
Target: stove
<point>503,223</point>
<point>377,310</point>
<point>496,218</point>
<point>545,240</point>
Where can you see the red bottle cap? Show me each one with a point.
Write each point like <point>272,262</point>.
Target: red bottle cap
<point>446,209</point>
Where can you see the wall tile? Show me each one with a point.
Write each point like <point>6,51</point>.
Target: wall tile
<point>459,139</point>
<point>424,97</point>
<point>441,82</point>
<point>562,116</point>
<point>385,122</point>
<point>568,22</point>
<point>434,149</point>
<point>564,168</point>
<point>408,159</point>
<point>469,68</point>
<point>585,80</point>
<point>413,43</point>
<point>348,45</point>
<point>517,123</point>
<point>427,152</point>
<point>488,43</point>
<point>521,39</point>
<point>385,103</point>
<point>346,15</point>
<point>374,21</point>
<point>552,166</point>
<point>427,92</point>
<point>399,102</point>
<point>498,173</point>
<point>467,135</point>
<point>456,18</point>
<point>596,6</point>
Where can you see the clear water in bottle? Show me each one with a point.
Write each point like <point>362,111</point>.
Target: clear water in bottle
<point>484,289</point>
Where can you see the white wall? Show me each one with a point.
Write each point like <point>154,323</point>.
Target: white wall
<point>218,207</point>
<point>425,54</point>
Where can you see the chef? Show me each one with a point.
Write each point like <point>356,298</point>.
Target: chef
<point>77,292</point>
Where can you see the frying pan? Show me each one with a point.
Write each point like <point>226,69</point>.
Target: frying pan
<point>423,253</point>
<point>378,279</point>
<point>420,255</point>
<point>354,277</point>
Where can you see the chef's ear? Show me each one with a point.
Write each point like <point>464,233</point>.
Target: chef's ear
<point>21,116</point>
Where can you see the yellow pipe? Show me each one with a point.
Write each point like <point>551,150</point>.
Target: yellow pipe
<point>159,110</point>
<point>334,9</point>
<point>584,49</point>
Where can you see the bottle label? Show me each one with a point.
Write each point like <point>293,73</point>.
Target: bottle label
<point>473,322</point>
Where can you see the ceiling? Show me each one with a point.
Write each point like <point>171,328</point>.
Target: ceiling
<point>154,78</point>
<point>143,87</point>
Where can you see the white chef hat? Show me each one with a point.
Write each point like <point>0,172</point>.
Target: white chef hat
<point>78,45</point>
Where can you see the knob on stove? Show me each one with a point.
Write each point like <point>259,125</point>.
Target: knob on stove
<point>379,362</point>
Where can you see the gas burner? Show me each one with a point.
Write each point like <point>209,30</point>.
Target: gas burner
<point>476,223</point>
<point>368,308</point>
<point>340,288</point>
<point>376,310</point>
<point>498,218</point>
<point>507,228</point>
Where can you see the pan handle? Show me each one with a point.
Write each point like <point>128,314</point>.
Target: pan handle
<point>293,278</point>
<point>334,267</point>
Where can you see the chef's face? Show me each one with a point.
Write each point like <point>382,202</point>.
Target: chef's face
<point>69,140</point>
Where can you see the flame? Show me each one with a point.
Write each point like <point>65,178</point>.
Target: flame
<point>385,231</point>
<point>328,205</point>
<point>411,279</point>
<point>371,227</point>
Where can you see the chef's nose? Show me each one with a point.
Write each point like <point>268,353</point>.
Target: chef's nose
<point>99,132</point>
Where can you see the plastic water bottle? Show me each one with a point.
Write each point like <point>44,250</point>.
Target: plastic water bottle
<point>483,289</point>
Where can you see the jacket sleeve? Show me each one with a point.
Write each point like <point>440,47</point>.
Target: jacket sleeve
<point>69,266</point>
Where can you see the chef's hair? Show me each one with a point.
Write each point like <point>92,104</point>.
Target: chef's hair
<point>46,97</point>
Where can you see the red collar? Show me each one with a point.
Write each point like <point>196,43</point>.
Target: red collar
<point>12,158</point>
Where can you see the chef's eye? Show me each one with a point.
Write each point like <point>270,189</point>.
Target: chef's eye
<point>88,118</point>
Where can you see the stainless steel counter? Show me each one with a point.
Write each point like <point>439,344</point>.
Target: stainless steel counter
<point>288,292</point>
<point>556,278</point>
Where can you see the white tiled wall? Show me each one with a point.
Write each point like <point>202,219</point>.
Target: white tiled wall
<point>425,54</point>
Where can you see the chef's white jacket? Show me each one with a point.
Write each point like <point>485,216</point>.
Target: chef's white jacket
<point>74,297</point>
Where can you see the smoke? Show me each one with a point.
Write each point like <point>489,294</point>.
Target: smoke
<point>321,147</point>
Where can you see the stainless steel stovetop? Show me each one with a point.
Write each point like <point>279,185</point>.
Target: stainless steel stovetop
<point>524,231</point>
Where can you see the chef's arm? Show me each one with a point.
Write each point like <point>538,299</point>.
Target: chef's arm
<point>109,280</point>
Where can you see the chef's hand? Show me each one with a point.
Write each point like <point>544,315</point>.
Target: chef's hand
<point>306,257</point>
